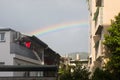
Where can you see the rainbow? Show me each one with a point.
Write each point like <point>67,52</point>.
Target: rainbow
<point>59,27</point>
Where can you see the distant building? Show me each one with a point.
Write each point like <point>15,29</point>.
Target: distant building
<point>64,62</point>
<point>75,58</point>
<point>19,49</point>
<point>78,57</point>
<point>101,13</point>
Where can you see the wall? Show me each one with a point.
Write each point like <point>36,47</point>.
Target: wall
<point>5,55</point>
<point>111,8</point>
<point>22,62</point>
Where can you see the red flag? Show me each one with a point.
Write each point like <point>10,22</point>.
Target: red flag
<point>28,44</point>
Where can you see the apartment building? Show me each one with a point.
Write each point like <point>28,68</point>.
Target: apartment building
<point>73,59</point>
<point>101,13</point>
<point>78,58</point>
<point>19,49</point>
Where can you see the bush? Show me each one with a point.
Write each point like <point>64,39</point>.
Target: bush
<point>100,74</point>
<point>79,73</point>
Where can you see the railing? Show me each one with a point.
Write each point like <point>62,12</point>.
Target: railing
<point>99,18</point>
<point>27,78</point>
<point>51,68</point>
<point>21,50</point>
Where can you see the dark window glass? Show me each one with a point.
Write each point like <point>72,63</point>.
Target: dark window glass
<point>2,36</point>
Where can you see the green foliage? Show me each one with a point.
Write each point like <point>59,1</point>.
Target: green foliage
<point>66,75</point>
<point>102,75</point>
<point>79,73</point>
<point>62,69</point>
<point>112,43</point>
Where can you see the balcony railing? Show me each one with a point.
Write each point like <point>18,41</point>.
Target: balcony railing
<point>22,50</point>
<point>27,78</point>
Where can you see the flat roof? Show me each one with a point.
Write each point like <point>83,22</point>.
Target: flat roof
<point>6,29</point>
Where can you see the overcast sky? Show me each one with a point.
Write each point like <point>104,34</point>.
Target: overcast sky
<point>27,16</point>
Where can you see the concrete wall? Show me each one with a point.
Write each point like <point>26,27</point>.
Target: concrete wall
<point>5,55</point>
<point>8,58</point>
<point>92,31</point>
<point>111,8</point>
<point>28,78</point>
<point>108,11</point>
<point>22,62</point>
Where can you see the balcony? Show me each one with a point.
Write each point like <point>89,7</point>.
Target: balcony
<point>99,30</point>
<point>22,51</point>
<point>96,14</point>
<point>99,3</point>
<point>99,17</point>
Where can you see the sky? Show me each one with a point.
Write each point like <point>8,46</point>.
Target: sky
<point>62,24</point>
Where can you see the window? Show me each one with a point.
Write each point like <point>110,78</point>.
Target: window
<point>26,74</point>
<point>99,3</point>
<point>97,46</point>
<point>90,60</point>
<point>96,14</point>
<point>2,37</point>
<point>2,63</point>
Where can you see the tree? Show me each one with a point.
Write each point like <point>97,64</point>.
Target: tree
<point>100,74</point>
<point>66,75</point>
<point>79,73</point>
<point>112,44</point>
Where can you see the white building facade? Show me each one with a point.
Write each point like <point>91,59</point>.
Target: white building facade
<point>12,53</point>
<point>101,13</point>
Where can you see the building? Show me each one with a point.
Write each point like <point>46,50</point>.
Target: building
<point>73,59</point>
<point>78,57</point>
<point>101,13</point>
<point>22,50</point>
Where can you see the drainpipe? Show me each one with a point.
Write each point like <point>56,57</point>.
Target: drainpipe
<point>43,57</point>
